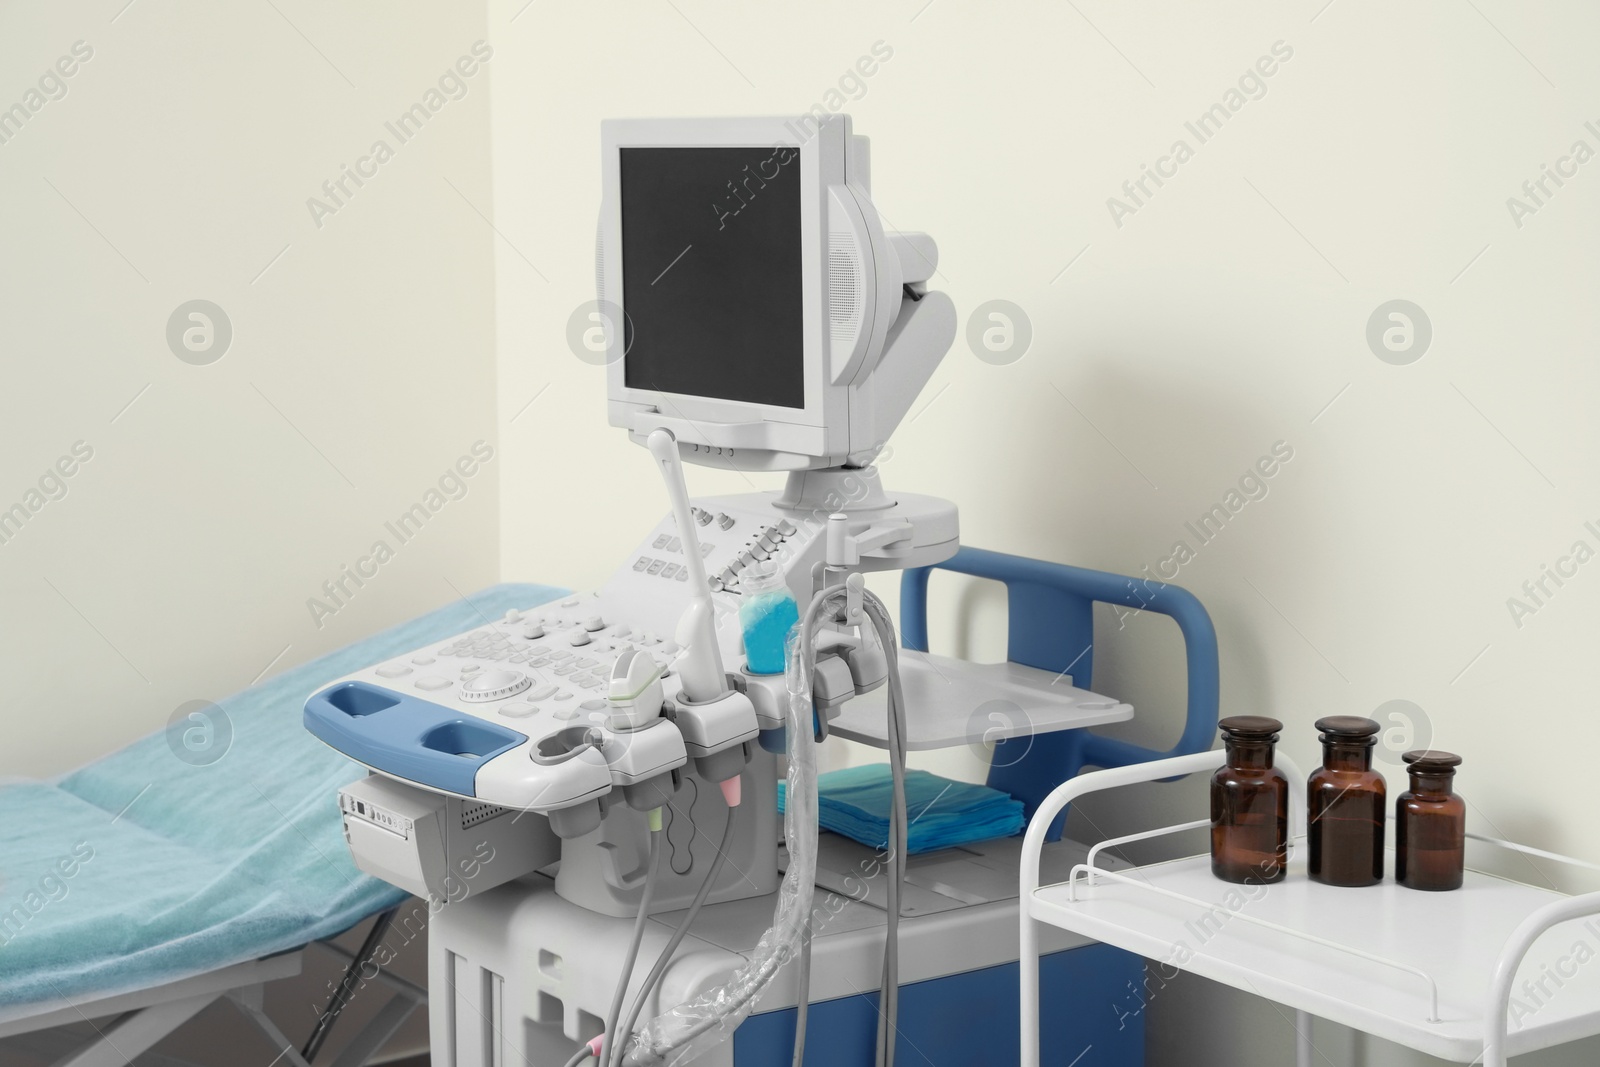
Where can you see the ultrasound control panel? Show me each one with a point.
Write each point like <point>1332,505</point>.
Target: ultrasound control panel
<point>485,713</point>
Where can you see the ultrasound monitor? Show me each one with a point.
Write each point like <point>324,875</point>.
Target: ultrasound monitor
<point>713,291</point>
<point>759,299</point>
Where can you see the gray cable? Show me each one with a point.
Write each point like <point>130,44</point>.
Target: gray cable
<point>889,998</point>
<point>803,1003</point>
<point>578,1057</point>
<point>634,1058</point>
<point>898,836</point>
<point>803,967</point>
<point>607,1052</point>
<point>660,968</point>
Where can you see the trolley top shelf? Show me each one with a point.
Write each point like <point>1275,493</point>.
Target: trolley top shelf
<point>1492,969</point>
<point>1451,940</point>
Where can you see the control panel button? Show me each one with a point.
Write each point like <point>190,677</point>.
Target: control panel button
<point>701,515</point>
<point>393,670</point>
<point>725,520</point>
<point>786,528</point>
<point>571,602</point>
<point>642,562</point>
<point>433,682</point>
<point>533,631</point>
<point>513,616</point>
<point>593,623</point>
<point>543,692</point>
<point>422,660</point>
<point>579,637</point>
<point>593,705</point>
<point>518,711</point>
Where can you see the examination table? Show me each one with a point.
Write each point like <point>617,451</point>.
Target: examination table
<point>146,885</point>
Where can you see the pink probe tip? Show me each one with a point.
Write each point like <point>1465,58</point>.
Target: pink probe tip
<point>595,1045</point>
<point>731,791</point>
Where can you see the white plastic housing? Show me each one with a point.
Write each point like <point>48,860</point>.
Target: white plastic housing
<point>854,306</point>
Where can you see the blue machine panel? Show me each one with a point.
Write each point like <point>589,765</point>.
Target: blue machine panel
<point>410,738</point>
<point>1087,997</point>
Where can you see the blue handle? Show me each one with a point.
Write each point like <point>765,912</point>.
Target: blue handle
<point>1052,628</point>
<point>408,737</point>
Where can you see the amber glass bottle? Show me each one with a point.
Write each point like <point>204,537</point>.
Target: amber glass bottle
<point>1249,804</point>
<point>1430,824</point>
<point>1346,802</point>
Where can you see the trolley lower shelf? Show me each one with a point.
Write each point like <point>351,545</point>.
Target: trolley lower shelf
<point>1495,968</point>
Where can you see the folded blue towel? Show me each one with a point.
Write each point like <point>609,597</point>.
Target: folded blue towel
<point>941,813</point>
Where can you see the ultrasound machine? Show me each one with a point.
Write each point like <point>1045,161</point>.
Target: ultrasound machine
<point>585,791</point>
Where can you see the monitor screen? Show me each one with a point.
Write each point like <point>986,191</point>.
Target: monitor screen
<point>711,277</point>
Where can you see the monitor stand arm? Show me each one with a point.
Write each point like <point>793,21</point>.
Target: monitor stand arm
<point>866,528</point>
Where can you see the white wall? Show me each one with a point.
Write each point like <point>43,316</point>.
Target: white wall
<point>220,497</point>
<point>1227,313</point>
<point>178,165</point>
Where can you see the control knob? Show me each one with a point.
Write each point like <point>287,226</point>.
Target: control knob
<point>493,685</point>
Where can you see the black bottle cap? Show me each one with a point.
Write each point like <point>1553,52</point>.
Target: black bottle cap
<point>1250,728</point>
<point>1432,761</point>
<point>1347,728</point>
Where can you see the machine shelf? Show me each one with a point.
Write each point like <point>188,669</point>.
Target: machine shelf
<point>1435,972</point>
<point>961,703</point>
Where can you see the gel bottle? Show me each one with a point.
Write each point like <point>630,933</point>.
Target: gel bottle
<point>1249,805</point>
<point>1346,802</point>
<point>767,612</point>
<point>1430,824</point>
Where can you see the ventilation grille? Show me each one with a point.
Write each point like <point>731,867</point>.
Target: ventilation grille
<point>473,814</point>
<point>844,297</point>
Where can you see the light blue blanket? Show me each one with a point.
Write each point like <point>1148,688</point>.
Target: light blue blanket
<point>143,868</point>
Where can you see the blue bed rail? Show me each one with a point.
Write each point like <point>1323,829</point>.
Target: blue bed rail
<point>1051,614</point>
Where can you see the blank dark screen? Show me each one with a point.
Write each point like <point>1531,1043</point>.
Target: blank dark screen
<point>711,273</point>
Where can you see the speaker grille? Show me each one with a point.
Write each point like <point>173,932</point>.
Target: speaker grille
<point>844,296</point>
<point>473,814</point>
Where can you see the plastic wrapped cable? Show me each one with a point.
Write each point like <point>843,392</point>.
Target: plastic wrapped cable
<point>688,1030</point>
